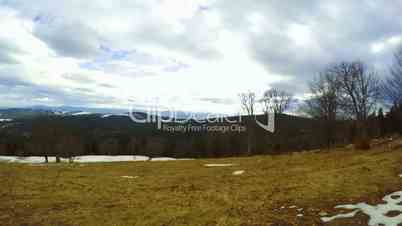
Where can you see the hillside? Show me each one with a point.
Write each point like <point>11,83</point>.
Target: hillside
<point>288,189</point>
<point>98,134</point>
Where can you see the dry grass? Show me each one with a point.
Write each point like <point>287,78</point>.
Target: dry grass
<point>187,193</point>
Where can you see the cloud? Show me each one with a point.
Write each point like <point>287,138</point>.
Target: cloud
<point>68,39</point>
<point>299,39</point>
<point>203,51</point>
<point>25,93</point>
<point>10,82</point>
<point>225,101</point>
<point>7,51</point>
<point>132,63</point>
<point>77,30</point>
<point>7,59</point>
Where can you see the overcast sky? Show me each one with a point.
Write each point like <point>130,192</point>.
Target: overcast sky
<point>193,55</point>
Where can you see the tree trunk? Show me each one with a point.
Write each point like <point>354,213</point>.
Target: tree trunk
<point>249,148</point>
<point>250,137</point>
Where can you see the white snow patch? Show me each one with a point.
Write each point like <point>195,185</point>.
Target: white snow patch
<point>219,165</point>
<point>110,115</point>
<point>6,159</point>
<point>78,159</point>
<point>86,159</point>
<point>162,159</point>
<point>6,120</point>
<point>30,159</point>
<point>339,216</point>
<point>238,172</point>
<point>377,214</point>
<point>109,158</point>
<point>81,113</point>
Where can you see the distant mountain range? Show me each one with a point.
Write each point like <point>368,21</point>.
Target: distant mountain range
<point>39,110</point>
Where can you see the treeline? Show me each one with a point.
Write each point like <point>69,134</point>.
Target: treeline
<point>391,123</point>
<point>61,137</point>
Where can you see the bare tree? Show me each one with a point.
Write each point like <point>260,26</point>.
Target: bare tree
<point>349,88</point>
<point>392,88</point>
<point>324,103</point>
<point>276,101</point>
<point>248,101</point>
<point>359,93</point>
<point>325,100</point>
<point>360,89</point>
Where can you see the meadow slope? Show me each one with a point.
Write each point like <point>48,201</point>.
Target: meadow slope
<point>289,189</point>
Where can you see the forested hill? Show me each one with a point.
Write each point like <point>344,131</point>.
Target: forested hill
<point>79,134</point>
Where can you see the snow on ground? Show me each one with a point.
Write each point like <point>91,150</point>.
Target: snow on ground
<point>109,158</point>
<point>238,172</point>
<point>219,165</point>
<point>5,120</point>
<point>86,159</point>
<point>339,216</point>
<point>387,214</point>
<point>81,113</point>
<point>162,159</point>
<point>31,159</point>
<point>110,115</point>
<point>78,159</point>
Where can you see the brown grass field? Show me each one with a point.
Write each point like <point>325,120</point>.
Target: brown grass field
<point>188,193</point>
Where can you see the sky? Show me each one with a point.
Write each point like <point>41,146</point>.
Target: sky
<point>190,55</point>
